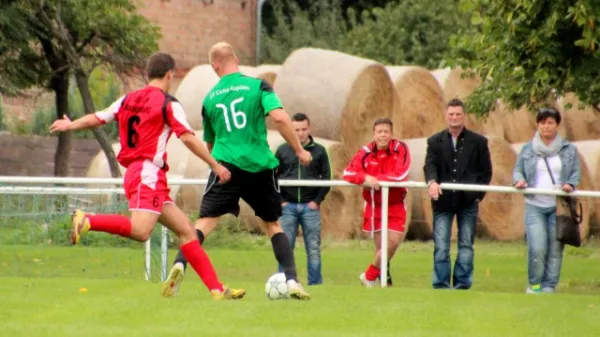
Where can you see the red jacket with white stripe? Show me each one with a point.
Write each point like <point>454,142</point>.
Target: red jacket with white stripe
<point>391,164</point>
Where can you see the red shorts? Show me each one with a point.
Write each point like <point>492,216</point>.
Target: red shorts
<point>396,222</point>
<point>146,187</point>
<point>394,225</point>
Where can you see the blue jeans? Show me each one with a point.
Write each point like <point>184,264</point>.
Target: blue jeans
<point>545,253</point>
<point>463,266</point>
<point>295,215</point>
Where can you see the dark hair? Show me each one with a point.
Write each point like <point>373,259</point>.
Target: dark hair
<point>455,102</point>
<point>158,65</point>
<point>380,121</point>
<point>300,117</point>
<point>546,113</point>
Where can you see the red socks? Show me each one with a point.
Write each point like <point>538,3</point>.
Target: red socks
<point>110,223</point>
<point>372,273</point>
<point>196,256</point>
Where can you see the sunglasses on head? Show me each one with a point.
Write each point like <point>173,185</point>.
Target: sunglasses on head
<point>547,111</point>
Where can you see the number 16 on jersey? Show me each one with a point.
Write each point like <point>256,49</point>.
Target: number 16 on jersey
<point>238,117</point>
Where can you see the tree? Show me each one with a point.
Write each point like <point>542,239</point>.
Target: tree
<point>529,51</point>
<point>70,37</point>
<point>321,26</point>
<point>408,32</point>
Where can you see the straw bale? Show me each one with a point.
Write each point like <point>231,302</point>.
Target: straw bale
<point>520,125</point>
<point>581,124</point>
<point>192,90</point>
<point>453,85</point>
<point>342,94</point>
<point>420,100</point>
<point>268,72</point>
<point>590,154</point>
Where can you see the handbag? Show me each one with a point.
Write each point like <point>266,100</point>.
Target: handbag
<point>569,214</point>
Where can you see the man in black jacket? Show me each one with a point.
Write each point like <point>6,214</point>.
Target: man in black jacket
<point>301,204</point>
<point>455,155</point>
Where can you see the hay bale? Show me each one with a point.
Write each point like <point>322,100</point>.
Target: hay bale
<point>586,183</point>
<point>590,154</point>
<point>192,90</point>
<point>268,72</point>
<point>520,125</point>
<point>420,100</point>
<point>501,214</point>
<point>581,124</point>
<point>492,124</point>
<point>342,94</point>
<point>453,85</point>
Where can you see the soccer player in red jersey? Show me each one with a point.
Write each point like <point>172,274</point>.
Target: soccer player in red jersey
<point>147,118</point>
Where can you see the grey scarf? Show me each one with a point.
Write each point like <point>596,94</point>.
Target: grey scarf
<point>544,150</point>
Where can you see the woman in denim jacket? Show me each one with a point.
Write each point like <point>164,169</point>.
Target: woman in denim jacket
<point>545,253</point>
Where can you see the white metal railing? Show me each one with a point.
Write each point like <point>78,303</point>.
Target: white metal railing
<point>385,186</point>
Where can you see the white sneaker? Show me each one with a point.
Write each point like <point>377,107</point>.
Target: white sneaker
<point>367,283</point>
<point>173,282</point>
<point>296,291</point>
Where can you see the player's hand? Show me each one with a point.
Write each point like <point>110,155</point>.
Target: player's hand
<point>434,190</point>
<point>313,205</point>
<point>521,184</point>
<point>223,173</point>
<point>373,182</point>
<point>304,157</point>
<point>567,188</point>
<point>61,125</point>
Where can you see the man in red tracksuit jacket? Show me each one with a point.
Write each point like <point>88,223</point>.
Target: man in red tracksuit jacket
<point>385,159</point>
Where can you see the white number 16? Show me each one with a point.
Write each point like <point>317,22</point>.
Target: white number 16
<point>238,123</point>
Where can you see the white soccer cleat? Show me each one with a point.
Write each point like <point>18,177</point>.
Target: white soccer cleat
<point>367,283</point>
<point>173,281</point>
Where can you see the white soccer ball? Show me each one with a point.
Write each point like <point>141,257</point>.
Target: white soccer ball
<point>276,287</point>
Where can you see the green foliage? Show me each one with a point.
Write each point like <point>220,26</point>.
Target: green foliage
<point>529,51</point>
<point>408,32</point>
<point>320,27</point>
<point>2,117</point>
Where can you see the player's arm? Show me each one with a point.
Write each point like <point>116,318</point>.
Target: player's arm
<point>88,121</point>
<point>285,128</point>
<point>197,147</point>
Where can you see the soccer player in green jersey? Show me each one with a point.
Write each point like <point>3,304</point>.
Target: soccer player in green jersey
<point>234,118</point>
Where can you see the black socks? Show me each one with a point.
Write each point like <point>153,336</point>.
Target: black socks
<point>180,258</point>
<point>284,255</point>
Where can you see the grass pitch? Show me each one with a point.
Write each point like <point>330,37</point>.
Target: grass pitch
<point>85,291</point>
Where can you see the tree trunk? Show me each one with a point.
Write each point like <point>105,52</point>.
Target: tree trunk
<point>88,106</point>
<point>60,85</point>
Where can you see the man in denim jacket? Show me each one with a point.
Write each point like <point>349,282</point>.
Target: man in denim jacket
<point>550,162</point>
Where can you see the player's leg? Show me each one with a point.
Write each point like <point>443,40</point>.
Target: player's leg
<point>289,221</point>
<point>217,200</point>
<point>178,222</point>
<point>261,192</point>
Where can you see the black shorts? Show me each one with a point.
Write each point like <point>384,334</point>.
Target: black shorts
<point>259,190</point>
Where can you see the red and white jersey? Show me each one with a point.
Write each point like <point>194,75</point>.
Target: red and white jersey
<point>146,118</point>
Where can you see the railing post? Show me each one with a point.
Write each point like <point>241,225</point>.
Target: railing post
<point>385,196</point>
<point>148,259</point>
<point>164,253</point>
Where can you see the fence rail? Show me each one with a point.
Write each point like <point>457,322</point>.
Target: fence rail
<point>385,186</point>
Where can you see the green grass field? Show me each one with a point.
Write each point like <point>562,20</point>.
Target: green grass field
<point>40,295</point>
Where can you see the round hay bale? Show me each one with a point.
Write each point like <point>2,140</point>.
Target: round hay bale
<point>492,124</point>
<point>520,125</point>
<point>590,154</point>
<point>501,214</point>
<point>268,72</point>
<point>420,100</point>
<point>342,94</point>
<point>99,168</point>
<point>453,85</point>
<point>581,124</point>
<point>586,183</point>
<point>192,90</point>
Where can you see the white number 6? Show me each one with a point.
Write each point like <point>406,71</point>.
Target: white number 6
<point>238,123</point>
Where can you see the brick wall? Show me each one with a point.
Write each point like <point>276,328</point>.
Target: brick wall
<point>190,27</point>
<point>34,155</point>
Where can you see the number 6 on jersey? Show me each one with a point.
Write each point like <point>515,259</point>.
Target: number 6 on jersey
<point>239,124</point>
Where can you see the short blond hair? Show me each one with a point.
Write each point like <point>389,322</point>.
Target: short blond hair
<point>220,52</point>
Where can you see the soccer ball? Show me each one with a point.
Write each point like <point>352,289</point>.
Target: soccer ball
<point>276,287</point>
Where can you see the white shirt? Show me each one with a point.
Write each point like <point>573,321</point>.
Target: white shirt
<point>543,180</point>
